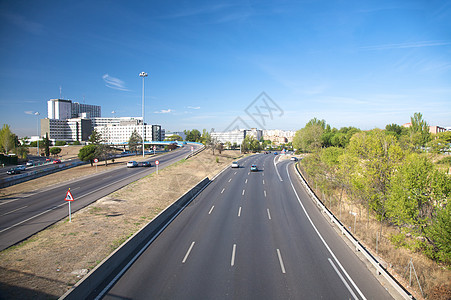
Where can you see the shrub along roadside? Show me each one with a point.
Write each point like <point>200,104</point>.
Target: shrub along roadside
<point>399,188</point>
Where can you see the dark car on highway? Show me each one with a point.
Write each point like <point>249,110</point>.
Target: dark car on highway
<point>13,171</point>
<point>145,164</point>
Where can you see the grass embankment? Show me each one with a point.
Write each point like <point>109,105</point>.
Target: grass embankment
<point>49,263</point>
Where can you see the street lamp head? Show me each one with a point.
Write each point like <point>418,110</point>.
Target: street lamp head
<point>37,113</point>
<point>143,74</point>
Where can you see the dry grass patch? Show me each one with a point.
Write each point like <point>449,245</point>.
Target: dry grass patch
<point>49,263</point>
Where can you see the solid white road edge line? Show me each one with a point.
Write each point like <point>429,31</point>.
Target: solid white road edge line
<point>14,210</point>
<point>342,279</point>
<point>277,171</point>
<point>281,261</point>
<point>188,252</point>
<point>321,238</point>
<point>31,218</point>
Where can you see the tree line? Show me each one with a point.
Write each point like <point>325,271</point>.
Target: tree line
<point>393,173</point>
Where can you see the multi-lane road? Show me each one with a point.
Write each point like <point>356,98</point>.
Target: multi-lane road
<point>23,215</point>
<point>249,235</point>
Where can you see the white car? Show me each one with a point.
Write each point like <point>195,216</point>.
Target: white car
<point>235,164</point>
<point>29,163</point>
<point>294,158</point>
<point>132,164</point>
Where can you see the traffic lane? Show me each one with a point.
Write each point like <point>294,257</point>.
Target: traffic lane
<point>24,208</point>
<point>176,264</point>
<point>259,273</point>
<point>200,247</point>
<point>46,197</point>
<point>16,226</point>
<point>23,223</point>
<point>356,269</point>
<point>308,269</point>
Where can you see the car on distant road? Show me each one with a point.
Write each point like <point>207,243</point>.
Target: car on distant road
<point>235,164</point>
<point>21,168</point>
<point>275,153</point>
<point>13,171</point>
<point>56,161</point>
<point>294,158</point>
<point>30,163</point>
<point>48,160</point>
<point>145,164</point>
<point>132,164</point>
<point>254,168</point>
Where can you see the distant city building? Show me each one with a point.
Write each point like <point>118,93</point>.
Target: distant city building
<point>119,130</point>
<point>70,130</point>
<point>71,121</point>
<point>236,136</point>
<point>278,137</point>
<point>61,109</point>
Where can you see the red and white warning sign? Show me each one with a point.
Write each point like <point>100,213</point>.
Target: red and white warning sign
<point>157,162</point>
<point>69,196</point>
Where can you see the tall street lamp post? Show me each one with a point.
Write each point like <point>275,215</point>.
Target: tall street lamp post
<point>37,118</point>
<point>143,74</point>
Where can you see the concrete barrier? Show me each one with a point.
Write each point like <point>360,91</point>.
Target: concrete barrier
<point>112,267</point>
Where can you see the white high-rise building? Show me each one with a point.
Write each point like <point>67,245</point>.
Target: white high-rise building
<point>59,109</point>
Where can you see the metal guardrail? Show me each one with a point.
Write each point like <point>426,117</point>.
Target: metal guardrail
<point>195,152</point>
<point>358,246</point>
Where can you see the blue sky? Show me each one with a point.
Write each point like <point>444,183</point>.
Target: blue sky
<point>352,63</point>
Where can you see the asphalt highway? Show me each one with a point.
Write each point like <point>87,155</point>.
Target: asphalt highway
<point>249,235</point>
<point>24,215</point>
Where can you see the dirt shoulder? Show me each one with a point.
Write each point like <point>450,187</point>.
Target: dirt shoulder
<point>52,261</point>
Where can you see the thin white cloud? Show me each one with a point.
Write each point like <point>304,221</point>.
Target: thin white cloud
<point>193,107</point>
<point>29,112</point>
<point>407,45</point>
<point>24,23</point>
<point>164,111</point>
<point>114,83</point>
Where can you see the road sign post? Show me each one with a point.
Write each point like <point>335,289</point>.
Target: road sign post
<point>154,148</point>
<point>69,198</point>
<point>157,163</point>
<point>96,161</point>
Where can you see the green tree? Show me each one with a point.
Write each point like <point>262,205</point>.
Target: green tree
<point>309,138</point>
<point>205,136</point>
<point>193,135</point>
<point>439,233</point>
<point>47,144</point>
<point>441,142</point>
<point>134,141</point>
<point>103,152</point>
<point>373,156</point>
<point>95,137</point>
<point>60,143</point>
<point>7,139</point>
<point>87,153</point>
<point>55,151</point>
<point>419,130</point>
